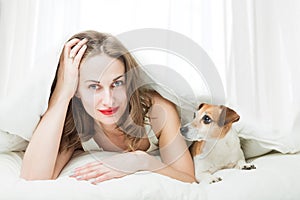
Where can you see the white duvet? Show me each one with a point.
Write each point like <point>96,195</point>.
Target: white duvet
<point>276,177</point>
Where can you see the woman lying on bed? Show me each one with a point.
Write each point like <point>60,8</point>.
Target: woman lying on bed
<point>96,102</point>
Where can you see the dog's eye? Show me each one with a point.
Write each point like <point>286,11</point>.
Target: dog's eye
<point>206,119</point>
<point>194,115</point>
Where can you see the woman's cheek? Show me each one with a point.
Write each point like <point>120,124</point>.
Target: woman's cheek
<point>89,103</point>
<point>120,96</point>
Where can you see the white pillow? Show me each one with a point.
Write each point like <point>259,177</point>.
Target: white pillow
<point>22,107</point>
<point>21,111</point>
<point>10,142</point>
<point>256,141</point>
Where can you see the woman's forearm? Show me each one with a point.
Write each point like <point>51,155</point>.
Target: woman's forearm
<point>132,162</point>
<point>176,174</point>
<point>41,154</point>
<point>155,165</point>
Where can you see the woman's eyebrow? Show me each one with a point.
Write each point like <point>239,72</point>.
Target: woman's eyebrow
<point>92,81</point>
<point>118,77</point>
<point>99,81</point>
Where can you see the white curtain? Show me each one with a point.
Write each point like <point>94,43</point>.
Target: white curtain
<point>263,65</point>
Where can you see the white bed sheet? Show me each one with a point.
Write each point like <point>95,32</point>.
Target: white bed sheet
<point>276,177</point>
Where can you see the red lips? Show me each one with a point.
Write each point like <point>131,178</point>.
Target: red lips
<point>109,111</point>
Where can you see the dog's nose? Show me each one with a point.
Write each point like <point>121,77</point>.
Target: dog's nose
<point>184,129</point>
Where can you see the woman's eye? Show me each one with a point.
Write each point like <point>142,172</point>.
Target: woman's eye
<point>94,87</point>
<point>206,119</point>
<point>118,83</point>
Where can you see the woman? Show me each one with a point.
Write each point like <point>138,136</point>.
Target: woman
<point>96,95</point>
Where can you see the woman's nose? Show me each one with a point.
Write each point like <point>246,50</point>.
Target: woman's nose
<point>107,98</point>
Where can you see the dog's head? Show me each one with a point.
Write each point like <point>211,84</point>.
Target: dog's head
<point>210,122</point>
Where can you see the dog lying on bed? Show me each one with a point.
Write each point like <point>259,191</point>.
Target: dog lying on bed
<point>215,146</point>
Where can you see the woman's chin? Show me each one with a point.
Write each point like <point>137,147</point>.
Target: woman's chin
<point>108,120</point>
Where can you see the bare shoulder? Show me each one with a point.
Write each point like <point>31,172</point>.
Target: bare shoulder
<point>157,99</point>
<point>162,114</point>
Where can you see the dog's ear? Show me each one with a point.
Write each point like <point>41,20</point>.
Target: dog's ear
<point>200,106</point>
<point>227,116</point>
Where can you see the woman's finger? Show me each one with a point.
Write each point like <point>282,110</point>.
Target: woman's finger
<point>103,177</point>
<point>79,55</point>
<point>93,174</point>
<point>91,164</point>
<point>69,45</point>
<point>86,169</point>
<point>76,48</point>
<point>111,174</point>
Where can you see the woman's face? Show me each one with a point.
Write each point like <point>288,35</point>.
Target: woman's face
<point>102,88</point>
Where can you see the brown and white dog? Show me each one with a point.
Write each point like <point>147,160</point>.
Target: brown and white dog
<point>215,146</point>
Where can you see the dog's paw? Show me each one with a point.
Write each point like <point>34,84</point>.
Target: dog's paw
<point>208,178</point>
<point>248,166</point>
<point>244,166</point>
<point>215,180</point>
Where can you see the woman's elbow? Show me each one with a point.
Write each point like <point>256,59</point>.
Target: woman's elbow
<point>192,179</point>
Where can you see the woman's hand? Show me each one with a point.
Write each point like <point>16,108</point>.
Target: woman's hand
<point>116,166</point>
<point>67,79</point>
<point>97,172</point>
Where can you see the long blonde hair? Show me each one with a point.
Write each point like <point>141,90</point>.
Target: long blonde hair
<point>79,125</point>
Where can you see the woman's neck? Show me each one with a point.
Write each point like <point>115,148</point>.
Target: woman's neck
<point>109,138</point>
<point>108,129</point>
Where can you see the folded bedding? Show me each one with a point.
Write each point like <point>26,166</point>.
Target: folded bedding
<point>276,177</point>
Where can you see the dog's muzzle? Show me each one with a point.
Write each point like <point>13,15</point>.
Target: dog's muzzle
<point>190,133</point>
<point>184,130</point>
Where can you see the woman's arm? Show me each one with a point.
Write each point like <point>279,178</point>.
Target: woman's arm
<point>176,159</point>
<point>41,159</point>
<point>41,154</point>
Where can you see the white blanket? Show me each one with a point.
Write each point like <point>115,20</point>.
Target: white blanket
<point>276,177</point>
